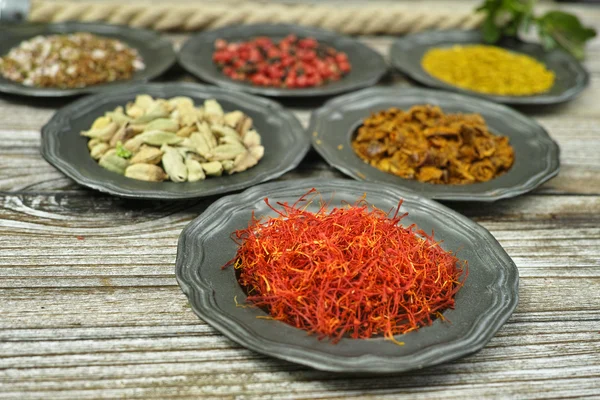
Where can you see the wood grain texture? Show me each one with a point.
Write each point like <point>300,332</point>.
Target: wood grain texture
<point>90,309</point>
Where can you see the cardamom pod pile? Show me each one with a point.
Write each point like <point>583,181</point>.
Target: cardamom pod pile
<point>172,139</point>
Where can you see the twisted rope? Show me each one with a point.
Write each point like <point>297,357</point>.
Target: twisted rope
<point>370,19</point>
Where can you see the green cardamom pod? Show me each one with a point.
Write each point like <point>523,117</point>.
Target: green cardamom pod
<point>227,165</point>
<point>207,134</point>
<point>158,138</point>
<point>251,139</point>
<point>98,150</point>
<point>122,135</point>
<point>213,112</point>
<point>226,152</point>
<point>197,157</point>
<point>103,134</point>
<point>257,152</point>
<point>118,116</point>
<point>181,101</point>
<point>146,155</point>
<point>187,116</point>
<point>158,110</point>
<point>247,159</point>
<point>162,124</point>
<point>244,125</point>
<point>213,168</point>
<point>134,111</point>
<point>184,151</point>
<point>144,101</point>
<point>174,165</point>
<point>134,144</point>
<point>187,142</point>
<point>195,171</point>
<point>186,131</point>
<point>146,172</point>
<point>224,130</point>
<point>231,140</point>
<point>232,118</point>
<point>199,143</point>
<point>144,119</point>
<point>100,123</point>
<point>92,143</point>
<point>112,162</point>
<point>243,161</point>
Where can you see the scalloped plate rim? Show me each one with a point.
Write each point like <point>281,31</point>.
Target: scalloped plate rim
<point>199,294</point>
<point>13,88</point>
<point>462,192</point>
<point>423,78</point>
<point>198,70</point>
<point>55,125</point>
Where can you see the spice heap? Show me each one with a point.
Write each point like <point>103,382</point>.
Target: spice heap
<point>290,63</point>
<point>70,61</point>
<point>352,271</point>
<point>488,69</point>
<point>427,145</point>
<point>189,143</point>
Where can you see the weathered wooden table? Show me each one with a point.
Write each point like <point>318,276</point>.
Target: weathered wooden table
<point>89,305</point>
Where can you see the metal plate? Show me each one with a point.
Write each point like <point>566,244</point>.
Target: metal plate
<point>368,66</point>
<point>157,53</point>
<point>571,77</point>
<point>483,304</point>
<point>536,154</point>
<point>282,136</point>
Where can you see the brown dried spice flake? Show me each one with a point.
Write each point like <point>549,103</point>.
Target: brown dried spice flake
<point>427,145</point>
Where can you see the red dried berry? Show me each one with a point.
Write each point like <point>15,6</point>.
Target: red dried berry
<point>292,62</point>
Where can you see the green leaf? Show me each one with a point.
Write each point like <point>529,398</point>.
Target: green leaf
<point>556,28</point>
<point>491,32</point>
<point>489,5</point>
<point>122,151</point>
<point>526,22</point>
<point>566,32</point>
<point>504,17</point>
<point>548,41</point>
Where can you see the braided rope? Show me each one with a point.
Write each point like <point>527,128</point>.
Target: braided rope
<point>370,19</point>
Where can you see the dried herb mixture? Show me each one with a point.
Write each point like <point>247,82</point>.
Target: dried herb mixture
<point>172,139</point>
<point>70,61</point>
<point>429,146</point>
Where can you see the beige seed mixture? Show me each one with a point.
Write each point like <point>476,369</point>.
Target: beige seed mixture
<point>70,61</point>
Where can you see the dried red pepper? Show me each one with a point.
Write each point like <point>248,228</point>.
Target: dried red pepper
<point>291,63</point>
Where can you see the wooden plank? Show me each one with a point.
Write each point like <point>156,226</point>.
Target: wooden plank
<point>134,344</point>
<point>133,335</point>
<point>528,227</point>
<point>91,309</point>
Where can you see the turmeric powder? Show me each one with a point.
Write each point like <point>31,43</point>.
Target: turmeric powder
<point>427,145</point>
<point>488,69</point>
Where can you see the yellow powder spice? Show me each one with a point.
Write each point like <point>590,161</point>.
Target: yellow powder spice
<point>488,69</point>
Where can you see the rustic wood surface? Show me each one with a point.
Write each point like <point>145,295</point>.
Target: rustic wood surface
<point>89,305</point>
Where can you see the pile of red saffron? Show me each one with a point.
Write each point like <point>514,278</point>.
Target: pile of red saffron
<point>350,271</point>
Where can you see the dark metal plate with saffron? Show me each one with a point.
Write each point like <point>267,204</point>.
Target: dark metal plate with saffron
<point>571,76</point>
<point>536,154</point>
<point>156,51</point>
<point>483,304</point>
<point>283,137</point>
<point>368,66</point>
